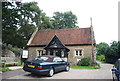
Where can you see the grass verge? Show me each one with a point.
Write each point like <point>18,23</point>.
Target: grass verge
<point>84,67</point>
<point>20,64</point>
<point>4,69</point>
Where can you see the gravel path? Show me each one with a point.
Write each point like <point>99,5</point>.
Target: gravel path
<point>103,73</point>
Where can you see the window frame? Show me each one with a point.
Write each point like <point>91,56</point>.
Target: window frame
<point>78,52</point>
<point>40,52</point>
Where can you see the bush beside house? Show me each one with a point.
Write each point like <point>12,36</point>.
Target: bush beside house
<point>100,58</point>
<point>84,61</point>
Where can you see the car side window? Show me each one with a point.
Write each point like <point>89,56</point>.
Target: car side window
<point>57,59</point>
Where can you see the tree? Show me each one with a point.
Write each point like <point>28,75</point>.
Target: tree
<point>19,22</point>
<point>102,48</point>
<point>64,20</point>
<point>119,48</point>
<point>31,17</point>
<point>113,52</point>
<point>46,23</point>
<point>9,22</point>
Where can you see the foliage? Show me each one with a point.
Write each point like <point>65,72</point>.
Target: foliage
<point>9,22</point>
<point>102,48</point>
<point>84,61</point>
<point>64,20</point>
<point>14,49</point>
<point>20,20</point>
<point>4,69</point>
<point>19,23</point>
<point>20,64</point>
<point>111,53</point>
<point>84,67</point>
<point>100,58</point>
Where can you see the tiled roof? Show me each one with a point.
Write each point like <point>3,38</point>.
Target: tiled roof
<point>66,36</point>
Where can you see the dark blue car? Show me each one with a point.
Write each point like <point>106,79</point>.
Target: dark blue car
<point>116,71</point>
<point>46,65</point>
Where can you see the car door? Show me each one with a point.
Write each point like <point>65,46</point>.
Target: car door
<point>59,65</point>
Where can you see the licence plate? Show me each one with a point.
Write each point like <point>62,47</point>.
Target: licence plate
<point>32,66</point>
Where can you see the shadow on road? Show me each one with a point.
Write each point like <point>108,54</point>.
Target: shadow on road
<point>39,76</point>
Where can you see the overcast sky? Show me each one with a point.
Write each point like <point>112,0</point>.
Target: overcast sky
<point>104,15</point>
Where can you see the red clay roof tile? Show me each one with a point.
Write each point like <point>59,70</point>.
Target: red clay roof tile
<point>66,36</point>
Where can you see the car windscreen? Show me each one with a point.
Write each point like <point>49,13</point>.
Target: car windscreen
<point>42,58</point>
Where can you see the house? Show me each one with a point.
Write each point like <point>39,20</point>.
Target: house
<point>69,44</point>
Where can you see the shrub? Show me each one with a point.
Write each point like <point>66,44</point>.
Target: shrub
<point>14,49</point>
<point>4,69</point>
<point>84,61</point>
<point>100,58</point>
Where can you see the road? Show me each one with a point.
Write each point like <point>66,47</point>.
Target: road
<point>103,73</point>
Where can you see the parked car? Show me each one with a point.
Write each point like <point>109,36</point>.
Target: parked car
<point>116,71</point>
<point>46,65</point>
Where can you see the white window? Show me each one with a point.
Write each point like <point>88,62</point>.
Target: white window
<point>62,53</point>
<point>39,52</point>
<point>78,52</point>
<point>48,52</point>
<point>54,52</point>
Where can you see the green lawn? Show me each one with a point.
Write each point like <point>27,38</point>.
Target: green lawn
<point>84,67</point>
<point>4,69</point>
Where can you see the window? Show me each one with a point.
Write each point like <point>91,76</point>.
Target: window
<point>41,58</point>
<point>48,52</point>
<point>57,59</point>
<point>62,53</point>
<point>40,52</point>
<point>78,52</point>
<point>54,52</point>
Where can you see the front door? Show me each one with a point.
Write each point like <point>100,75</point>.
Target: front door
<point>55,52</point>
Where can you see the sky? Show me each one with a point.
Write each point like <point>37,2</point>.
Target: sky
<point>104,15</point>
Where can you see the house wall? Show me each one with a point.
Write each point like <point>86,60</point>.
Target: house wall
<point>32,52</point>
<point>72,58</point>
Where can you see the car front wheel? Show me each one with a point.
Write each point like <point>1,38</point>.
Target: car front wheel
<point>51,72</point>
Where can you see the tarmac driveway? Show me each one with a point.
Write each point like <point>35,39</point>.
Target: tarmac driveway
<point>103,73</point>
